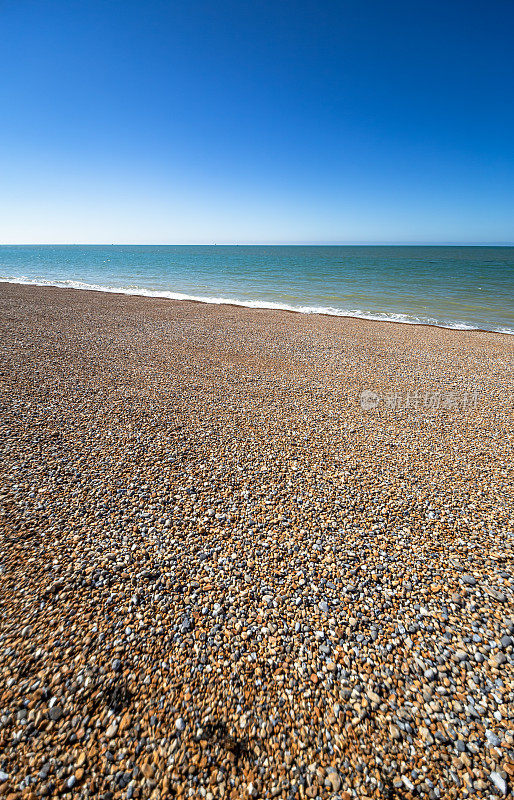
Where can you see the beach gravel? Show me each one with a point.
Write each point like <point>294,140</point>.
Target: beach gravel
<point>223,578</point>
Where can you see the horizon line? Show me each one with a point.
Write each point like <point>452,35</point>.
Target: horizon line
<point>260,244</point>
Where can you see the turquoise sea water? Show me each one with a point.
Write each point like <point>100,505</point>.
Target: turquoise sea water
<point>457,287</point>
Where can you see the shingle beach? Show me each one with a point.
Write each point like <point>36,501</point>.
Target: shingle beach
<point>222,577</point>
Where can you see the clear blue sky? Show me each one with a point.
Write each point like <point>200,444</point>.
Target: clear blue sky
<point>256,121</point>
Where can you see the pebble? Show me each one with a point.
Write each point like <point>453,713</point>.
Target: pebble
<point>111,731</point>
<point>334,780</point>
<point>499,782</point>
<point>492,739</point>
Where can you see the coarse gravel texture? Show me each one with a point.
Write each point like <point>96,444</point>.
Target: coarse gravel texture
<point>222,578</point>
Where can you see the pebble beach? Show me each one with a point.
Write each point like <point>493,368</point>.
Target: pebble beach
<point>221,576</point>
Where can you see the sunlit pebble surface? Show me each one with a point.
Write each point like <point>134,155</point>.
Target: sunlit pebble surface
<point>222,578</point>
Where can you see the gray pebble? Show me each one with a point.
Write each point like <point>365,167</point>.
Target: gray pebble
<point>499,782</point>
<point>492,739</point>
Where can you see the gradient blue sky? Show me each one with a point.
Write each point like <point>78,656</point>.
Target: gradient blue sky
<point>201,122</point>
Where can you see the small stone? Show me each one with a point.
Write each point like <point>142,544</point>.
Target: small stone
<point>55,713</point>
<point>324,607</point>
<point>492,739</point>
<point>125,722</point>
<point>499,782</point>
<point>469,580</point>
<point>111,731</point>
<point>334,780</point>
<point>460,655</point>
<point>395,731</point>
<point>148,771</point>
<point>180,725</point>
<point>116,665</point>
<point>496,594</point>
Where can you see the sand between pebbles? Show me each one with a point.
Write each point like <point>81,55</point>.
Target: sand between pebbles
<point>222,578</point>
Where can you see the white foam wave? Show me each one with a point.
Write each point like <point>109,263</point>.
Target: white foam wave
<point>138,291</point>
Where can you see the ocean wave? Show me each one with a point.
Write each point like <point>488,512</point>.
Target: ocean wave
<point>137,291</point>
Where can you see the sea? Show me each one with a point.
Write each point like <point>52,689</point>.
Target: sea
<point>453,287</point>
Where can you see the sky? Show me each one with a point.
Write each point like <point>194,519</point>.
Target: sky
<point>256,121</point>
